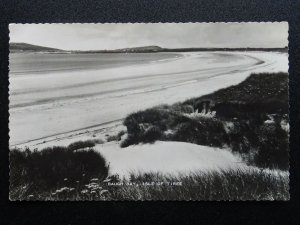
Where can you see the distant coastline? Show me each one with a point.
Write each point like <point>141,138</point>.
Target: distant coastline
<point>27,48</point>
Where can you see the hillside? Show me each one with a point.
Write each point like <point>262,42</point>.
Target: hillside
<point>141,49</point>
<point>24,47</point>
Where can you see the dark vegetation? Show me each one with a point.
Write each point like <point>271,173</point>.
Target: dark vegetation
<point>248,118</point>
<point>35,172</point>
<point>153,124</point>
<point>251,184</point>
<point>259,94</point>
<point>116,137</point>
<point>81,144</point>
<point>224,185</point>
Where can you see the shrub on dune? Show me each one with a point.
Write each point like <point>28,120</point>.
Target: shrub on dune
<point>152,134</point>
<point>182,108</point>
<point>54,167</point>
<point>273,147</point>
<point>117,137</point>
<point>154,116</point>
<point>202,131</point>
<point>146,126</point>
<point>82,144</point>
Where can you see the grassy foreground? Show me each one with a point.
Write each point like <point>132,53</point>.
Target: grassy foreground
<point>224,185</point>
<point>92,183</point>
<point>77,172</point>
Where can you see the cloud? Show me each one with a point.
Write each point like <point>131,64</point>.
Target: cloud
<point>170,35</point>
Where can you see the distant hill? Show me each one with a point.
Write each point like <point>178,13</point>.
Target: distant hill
<point>24,47</point>
<point>285,49</point>
<point>149,49</point>
<point>141,49</point>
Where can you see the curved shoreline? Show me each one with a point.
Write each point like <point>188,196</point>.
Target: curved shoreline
<point>165,90</point>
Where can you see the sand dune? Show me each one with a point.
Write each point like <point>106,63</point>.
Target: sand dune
<point>167,158</point>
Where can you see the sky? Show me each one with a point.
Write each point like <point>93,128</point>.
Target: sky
<point>167,35</point>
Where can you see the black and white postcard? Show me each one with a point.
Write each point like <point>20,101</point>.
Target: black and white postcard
<point>149,111</point>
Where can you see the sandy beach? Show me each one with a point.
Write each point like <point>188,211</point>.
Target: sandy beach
<point>50,104</point>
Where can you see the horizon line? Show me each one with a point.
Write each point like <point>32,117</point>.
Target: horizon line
<point>149,46</point>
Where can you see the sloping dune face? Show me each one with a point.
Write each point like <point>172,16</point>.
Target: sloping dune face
<point>167,158</point>
<point>53,94</point>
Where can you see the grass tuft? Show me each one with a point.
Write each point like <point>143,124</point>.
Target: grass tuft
<point>249,184</point>
<point>35,171</point>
